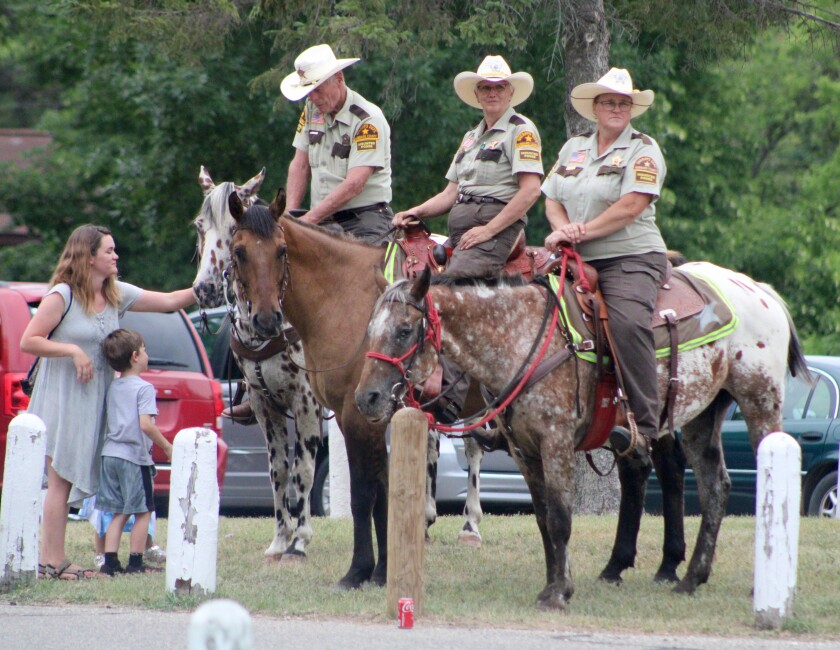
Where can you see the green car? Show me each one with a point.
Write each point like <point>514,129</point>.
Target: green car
<point>811,417</point>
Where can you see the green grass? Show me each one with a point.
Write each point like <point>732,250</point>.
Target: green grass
<point>492,586</point>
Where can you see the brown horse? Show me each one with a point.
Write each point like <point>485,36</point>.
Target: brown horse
<point>326,285</point>
<point>748,366</point>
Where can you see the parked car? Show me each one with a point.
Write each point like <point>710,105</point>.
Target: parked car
<point>811,417</point>
<point>187,395</point>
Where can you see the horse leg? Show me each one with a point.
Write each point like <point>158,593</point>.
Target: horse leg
<point>273,426</point>
<point>432,455</point>
<point>307,426</point>
<point>380,522</point>
<point>469,535</point>
<point>669,460</point>
<point>559,490</point>
<point>633,477</point>
<point>701,439</point>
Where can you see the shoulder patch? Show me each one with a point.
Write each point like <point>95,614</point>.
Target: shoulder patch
<point>642,137</point>
<point>301,121</point>
<point>527,139</point>
<point>515,119</point>
<point>645,170</point>
<point>359,112</point>
<point>366,137</point>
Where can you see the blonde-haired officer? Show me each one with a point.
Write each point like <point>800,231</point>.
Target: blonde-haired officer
<point>343,147</point>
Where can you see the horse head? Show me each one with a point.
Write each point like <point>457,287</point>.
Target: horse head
<point>215,234</point>
<point>259,263</point>
<point>404,336</point>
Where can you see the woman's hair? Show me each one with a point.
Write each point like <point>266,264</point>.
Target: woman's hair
<point>73,266</point>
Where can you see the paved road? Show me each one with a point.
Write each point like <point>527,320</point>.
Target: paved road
<point>28,627</point>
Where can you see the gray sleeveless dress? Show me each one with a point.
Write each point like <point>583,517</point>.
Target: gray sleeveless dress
<point>74,413</point>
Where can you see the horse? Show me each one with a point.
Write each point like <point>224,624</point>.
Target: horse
<point>271,366</point>
<point>325,284</point>
<point>473,323</point>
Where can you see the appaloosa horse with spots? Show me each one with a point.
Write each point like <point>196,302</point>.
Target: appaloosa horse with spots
<point>473,324</point>
<point>276,384</point>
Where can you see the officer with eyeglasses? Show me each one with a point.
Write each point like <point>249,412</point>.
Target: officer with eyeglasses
<point>601,196</point>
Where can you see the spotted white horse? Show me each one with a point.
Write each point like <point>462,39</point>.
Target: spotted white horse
<point>276,384</point>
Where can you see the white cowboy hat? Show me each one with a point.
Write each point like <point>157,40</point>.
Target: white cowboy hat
<point>312,68</point>
<point>495,70</point>
<point>618,81</point>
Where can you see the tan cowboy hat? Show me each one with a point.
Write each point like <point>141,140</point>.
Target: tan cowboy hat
<point>618,81</point>
<point>312,68</point>
<point>495,70</point>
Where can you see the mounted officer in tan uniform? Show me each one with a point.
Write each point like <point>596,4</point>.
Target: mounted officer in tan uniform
<point>343,147</point>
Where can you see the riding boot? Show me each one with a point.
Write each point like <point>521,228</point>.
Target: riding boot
<point>620,440</point>
<point>242,413</point>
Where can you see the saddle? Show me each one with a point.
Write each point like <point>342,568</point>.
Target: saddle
<point>688,313</point>
<point>423,248</point>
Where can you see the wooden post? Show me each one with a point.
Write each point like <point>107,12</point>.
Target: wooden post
<point>220,624</point>
<point>192,538</point>
<point>406,509</point>
<point>20,511</point>
<point>778,494</point>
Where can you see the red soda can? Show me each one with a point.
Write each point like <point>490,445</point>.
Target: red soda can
<point>405,612</point>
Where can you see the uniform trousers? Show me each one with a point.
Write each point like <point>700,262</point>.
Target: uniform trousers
<point>369,223</point>
<point>630,285</point>
<point>488,258</point>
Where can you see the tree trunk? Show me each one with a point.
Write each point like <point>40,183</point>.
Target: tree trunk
<point>586,49</point>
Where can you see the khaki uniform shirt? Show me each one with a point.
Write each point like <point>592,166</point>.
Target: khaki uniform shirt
<point>488,160</point>
<point>587,184</point>
<point>358,136</point>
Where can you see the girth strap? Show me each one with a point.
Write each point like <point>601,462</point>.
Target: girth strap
<point>673,380</point>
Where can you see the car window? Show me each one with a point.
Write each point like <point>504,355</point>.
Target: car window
<point>168,340</point>
<point>820,406</point>
<point>797,394</point>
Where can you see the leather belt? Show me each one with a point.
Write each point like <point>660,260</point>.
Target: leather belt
<point>470,198</point>
<point>344,215</point>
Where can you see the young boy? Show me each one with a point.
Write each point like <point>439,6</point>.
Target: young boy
<point>125,483</point>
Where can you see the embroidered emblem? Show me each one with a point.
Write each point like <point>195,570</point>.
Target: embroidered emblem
<point>468,141</point>
<point>493,144</point>
<point>577,158</point>
<point>317,118</point>
<point>301,121</point>
<point>645,171</point>
<point>527,139</point>
<point>366,138</point>
<point>530,154</point>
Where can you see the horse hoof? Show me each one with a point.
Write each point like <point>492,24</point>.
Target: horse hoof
<point>273,558</point>
<point>551,602</point>
<point>467,538</point>
<point>611,578</point>
<point>292,558</point>
<point>683,587</point>
<point>666,576</point>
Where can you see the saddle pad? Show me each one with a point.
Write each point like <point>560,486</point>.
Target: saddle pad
<point>707,318</point>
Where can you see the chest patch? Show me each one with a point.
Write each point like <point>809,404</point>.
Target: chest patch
<point>317,118</point>
<point>645,170</point>
<point>366,138</point>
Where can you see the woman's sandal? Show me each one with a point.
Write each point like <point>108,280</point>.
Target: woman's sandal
<point>65,571</point>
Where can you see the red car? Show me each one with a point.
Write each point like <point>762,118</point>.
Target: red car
<point>187,395</point>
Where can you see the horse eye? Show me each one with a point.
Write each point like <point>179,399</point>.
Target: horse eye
<point>281,252</point>
<point>239,254</point>
<point>404,331</point>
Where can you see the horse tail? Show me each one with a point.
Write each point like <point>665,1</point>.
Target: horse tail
<point>796,358</point>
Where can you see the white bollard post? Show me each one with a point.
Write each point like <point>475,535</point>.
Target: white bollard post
<point>220,625</point>
<point>20,514</point>
<point>192,539</point>
<point>837,494</point>
<point>339,472</point>
<point>778,494</point>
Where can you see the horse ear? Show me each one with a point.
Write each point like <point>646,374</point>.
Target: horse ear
<point>420,286</point>
<point>235,206</point>
<point>278,205</point>
<point>253,186</point>
<point>204,179</point>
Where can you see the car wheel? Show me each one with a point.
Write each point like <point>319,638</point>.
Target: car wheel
<point>823,501</point>
<point>320,496</point>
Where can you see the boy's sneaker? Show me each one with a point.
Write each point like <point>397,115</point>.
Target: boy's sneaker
<point>154,554</point>
<point>100,560</point>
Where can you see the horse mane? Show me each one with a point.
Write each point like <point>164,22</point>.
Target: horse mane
<point>215,205</point>
<point>490,282</point>
<point>342,236</point>
<point>259,220</point>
